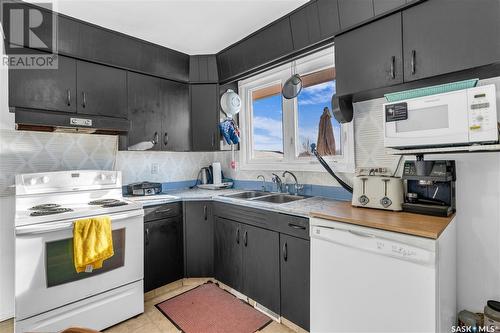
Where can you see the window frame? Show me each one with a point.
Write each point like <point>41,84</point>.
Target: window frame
<point>309,64</point>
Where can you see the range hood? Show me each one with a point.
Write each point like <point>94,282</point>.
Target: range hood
<point>49,121</point>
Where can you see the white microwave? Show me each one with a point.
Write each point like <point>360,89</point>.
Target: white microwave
<point>461,117</point>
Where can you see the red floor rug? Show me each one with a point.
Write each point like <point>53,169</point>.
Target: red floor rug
<point>209,309</point>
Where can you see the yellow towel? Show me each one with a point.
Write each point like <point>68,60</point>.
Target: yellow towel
<point>92,243</point>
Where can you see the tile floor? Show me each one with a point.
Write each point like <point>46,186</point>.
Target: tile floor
<point>152,320</point>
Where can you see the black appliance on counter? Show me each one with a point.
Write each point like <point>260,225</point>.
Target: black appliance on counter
<point>143,188</point>
<point>429,187</point>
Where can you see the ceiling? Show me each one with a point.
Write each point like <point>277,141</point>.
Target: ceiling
<point>189,26</point>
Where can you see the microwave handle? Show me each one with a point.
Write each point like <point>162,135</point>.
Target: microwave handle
<point>43,228</point>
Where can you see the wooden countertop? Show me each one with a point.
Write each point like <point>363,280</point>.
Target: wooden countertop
<point>407,223</point>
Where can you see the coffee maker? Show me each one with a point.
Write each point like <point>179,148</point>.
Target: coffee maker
<point>429,187</point>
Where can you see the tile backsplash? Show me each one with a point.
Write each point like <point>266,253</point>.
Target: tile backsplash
<point>27,152</point>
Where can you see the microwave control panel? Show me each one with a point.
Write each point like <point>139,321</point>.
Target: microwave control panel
<point>483,116</point>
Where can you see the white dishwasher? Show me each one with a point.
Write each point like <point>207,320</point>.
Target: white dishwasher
<point>369,280</point>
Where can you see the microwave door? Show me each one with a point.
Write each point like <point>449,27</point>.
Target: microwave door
<point>434,121</point>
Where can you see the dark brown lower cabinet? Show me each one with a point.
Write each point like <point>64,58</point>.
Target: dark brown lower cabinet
<point>295,279</point>
<point>163,262</point>
<point>199,239</point>
<point>227,252</point>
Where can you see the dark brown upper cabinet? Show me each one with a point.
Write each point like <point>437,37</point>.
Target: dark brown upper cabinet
<point>44,89</point>
<point>352,12</point>
<point>101,90</point>
<point>444,36</point>
<point>176,116</point>
<point>204,117</point>
<point>158,111</point>
<point>203,69</point>
<point>144,109</point>
<point>328,13</point>
<point>369,57</point>
<point>382,6</point>
<point>305,24</point>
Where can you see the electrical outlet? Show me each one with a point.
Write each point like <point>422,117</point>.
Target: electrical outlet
<point>155,168</point>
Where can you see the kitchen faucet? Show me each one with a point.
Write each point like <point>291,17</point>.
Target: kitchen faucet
<point>297,186</point>
<point>263,187</point>
<point>279,183</point>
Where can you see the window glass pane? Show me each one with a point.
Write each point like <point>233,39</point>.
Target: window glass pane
<point>267,122</point>
<point>313,99</point>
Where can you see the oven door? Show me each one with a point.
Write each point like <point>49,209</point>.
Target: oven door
<point>45,274</point>
<point>437,120</point>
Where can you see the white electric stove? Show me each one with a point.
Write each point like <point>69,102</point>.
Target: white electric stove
<point>50,294</point>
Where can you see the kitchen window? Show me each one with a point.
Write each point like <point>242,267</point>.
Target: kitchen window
<point>277,133</point>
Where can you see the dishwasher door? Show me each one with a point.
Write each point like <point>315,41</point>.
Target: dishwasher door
<point>367,282</point>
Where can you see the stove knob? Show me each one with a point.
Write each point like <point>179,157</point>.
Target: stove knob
<point>102,176</point>
<point>33,181</point>
<point>45,179</point>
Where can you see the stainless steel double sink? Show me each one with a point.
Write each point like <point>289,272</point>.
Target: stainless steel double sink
<point>277,198</point>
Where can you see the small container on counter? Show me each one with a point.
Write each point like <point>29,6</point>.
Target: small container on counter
<point>469,320</point>
<point>492,315</point>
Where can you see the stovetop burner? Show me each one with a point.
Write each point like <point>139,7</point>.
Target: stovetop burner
<point>115,204</point>
<point>45,206</point>
<point>50,211</point>
<point>103,202</point>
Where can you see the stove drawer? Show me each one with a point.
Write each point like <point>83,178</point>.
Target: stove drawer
<point>159,212</point>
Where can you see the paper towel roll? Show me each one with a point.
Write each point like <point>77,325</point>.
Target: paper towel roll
<point>217,173</point>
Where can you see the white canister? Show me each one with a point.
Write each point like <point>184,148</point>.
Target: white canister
<point>217,173</point>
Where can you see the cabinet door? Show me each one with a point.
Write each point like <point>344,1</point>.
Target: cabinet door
<point>329,23</point>
<point>261,274</point>
<point>382,6</point>
<point>305,26</point>
<point>144,109</point>
<point>352,12</point>
<point>444,36</point>
<point>101,90</point>
<point>47,89</point>
<point>204,116</point>
<point>163,252</point>
<point>295,280</point>
<point>369,57</point>
<point>176,120</point>
<point>228,252</point>
<point>199,239</point>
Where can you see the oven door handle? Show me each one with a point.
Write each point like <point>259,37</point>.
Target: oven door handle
<point>42,228</point>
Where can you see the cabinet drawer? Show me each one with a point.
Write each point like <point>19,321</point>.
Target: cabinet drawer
<point>293,225</point>
<point>162,211</point>
<point>252,216</point>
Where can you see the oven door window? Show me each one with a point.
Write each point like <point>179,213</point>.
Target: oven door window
<point>422,119</point>
<point>60,267</point>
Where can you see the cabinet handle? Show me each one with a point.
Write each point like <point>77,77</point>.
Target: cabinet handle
<point>161,211</point>
<point>146,232</point>
<point>205,212</point>
<point>155,138</point>
<point>285,251</point>
<point>295,226</point>
<point>393,67</point>
<point>68,97</point>
<point>84,96</point>
<point>213,140</point>
<point>238,236</point>
<point>165,139</point>
<point>413,65</point>
<point>245,238</point>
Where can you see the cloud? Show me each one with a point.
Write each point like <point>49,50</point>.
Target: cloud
<point>271,136</point>
<point>319,93</point>
<point>272,127</point>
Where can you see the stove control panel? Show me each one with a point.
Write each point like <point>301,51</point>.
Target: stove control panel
<point>67,181</point>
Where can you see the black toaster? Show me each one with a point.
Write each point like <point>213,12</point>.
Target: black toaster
<point>143,188</point>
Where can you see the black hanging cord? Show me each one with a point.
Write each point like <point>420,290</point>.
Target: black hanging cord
<point>327,168</point>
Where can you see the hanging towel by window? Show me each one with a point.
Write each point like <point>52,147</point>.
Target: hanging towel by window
<point>229,130</point>
<point>326,139</point>
<point>92,243</point>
